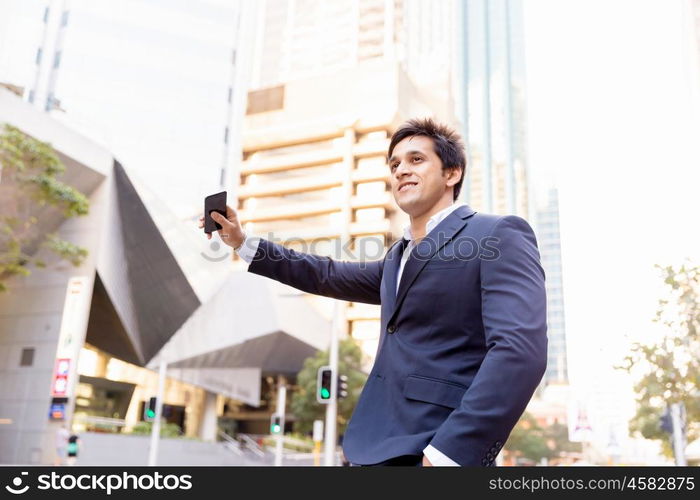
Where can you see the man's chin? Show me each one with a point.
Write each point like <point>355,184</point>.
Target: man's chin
<point>409,206</point>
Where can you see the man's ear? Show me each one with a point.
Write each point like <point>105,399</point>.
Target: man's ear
<point>453,174</point>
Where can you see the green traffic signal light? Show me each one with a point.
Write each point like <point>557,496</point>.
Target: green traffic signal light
<point>325,393</point>
<point>276,424</point>
<point>149,413</point>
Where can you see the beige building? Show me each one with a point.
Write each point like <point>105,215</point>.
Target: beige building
<point>314,174</point>
<point>328,83</point>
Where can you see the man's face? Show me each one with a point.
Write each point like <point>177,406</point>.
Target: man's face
<point>417,178</point>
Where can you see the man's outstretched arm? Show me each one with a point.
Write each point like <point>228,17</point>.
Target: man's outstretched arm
<point>352,281</point>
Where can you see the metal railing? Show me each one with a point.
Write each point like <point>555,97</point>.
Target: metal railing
<point>248,443</point>
<point>231,443</point>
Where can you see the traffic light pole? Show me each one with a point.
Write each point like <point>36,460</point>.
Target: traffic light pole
<point>677,418</point>
<point>281,403</point>
<point>155,429</point>
<point>332,406</point>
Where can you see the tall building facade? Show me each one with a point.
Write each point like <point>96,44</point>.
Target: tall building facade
<point>491,105</point>
<point>329,83</point>
<point>549,239</point>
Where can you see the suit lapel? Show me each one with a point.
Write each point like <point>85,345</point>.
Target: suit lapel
<point>391,270</point>
<point>423,252</point>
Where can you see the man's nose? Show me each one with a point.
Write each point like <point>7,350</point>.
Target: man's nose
<point>401,170</point>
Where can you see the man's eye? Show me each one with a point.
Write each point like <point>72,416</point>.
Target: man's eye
<point>417,158</point>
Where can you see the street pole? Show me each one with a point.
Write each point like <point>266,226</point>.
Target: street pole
<point>281,403</point>
<point>332,406</point>
<point>155,430</point>
<point>678,434</point>
<point>318,439</point>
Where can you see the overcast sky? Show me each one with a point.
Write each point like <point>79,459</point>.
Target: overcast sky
<point>612,119</point>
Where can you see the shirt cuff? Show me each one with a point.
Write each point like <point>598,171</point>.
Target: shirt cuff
<point>248,248</point>
<point>437,458</point>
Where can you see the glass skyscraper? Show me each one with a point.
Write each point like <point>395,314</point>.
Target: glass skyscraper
<point>548,236</point>
<point>491,106</point>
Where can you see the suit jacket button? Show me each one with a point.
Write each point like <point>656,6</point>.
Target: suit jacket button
<point>391,328</point>
<point>499,444</point>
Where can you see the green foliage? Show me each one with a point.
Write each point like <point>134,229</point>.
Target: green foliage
<point>670,368</point>
<point>528,440</point>
<point>304,405</point>
<point>533,442</point>
<point>304,445</point>
<point>167,430</point>
<point>29,171</point>
<point>557,436</point>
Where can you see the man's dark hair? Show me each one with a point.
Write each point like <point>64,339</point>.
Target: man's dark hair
<point>447,144</point>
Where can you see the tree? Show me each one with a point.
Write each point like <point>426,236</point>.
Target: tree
<point>557,436</point>
<point>528,440</point>
<point>304,405</point>
<point>670,369</point>
<point>29,171</point>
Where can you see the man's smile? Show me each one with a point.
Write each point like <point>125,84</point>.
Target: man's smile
<point>405,186</point>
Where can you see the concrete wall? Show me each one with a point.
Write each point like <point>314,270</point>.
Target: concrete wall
<point>30,317</point>
<point>31,311</point>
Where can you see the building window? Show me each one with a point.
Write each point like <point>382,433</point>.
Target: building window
<point>226,135</point>
<point>27,357</point>
<point>57,59</point>
<point>38,56</point>
<point>31,95</point>
<point>64,18</point>
<point>260,101</point>
<point>230,94</point>
<point>46,15</point>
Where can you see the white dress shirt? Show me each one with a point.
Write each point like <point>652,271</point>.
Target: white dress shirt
<point>249,248</point>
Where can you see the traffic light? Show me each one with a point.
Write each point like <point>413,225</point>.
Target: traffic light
<point>666,422</point>
<point>149,410</point>
<point>342,386</point>
<point>276,424</point>
<point>324,389</point>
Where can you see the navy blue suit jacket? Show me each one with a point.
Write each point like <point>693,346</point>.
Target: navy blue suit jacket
<point>463,343</point>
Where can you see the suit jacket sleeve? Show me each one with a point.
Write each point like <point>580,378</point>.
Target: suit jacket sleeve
<point>515,329</point>
<point>352,281</point>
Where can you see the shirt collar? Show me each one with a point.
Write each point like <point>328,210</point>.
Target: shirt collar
<point>433,221</point>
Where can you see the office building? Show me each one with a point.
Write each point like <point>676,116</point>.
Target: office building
<point>491,105</point>
<point>549,239</point>
<point>329,84</point>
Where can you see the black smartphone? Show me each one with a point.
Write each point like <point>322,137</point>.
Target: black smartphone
<point>214,203</point>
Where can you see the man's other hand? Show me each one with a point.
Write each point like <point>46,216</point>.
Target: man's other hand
<point>231,232</point>
<point>426,462</point>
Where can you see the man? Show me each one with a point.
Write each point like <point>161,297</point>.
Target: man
<point>463,319</point>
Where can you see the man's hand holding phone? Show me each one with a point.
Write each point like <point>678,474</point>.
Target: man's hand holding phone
<point>231,232</point>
